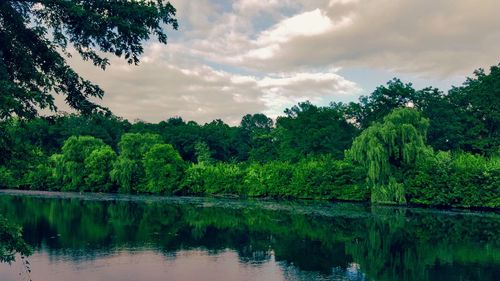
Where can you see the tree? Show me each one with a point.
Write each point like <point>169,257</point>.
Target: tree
<point>203,153</point>
<point>75,151</point>
<point>476,104</point>
<point>254,131</point>
<point>182,135</point>
<point>220,138</point>
<point>256,124</point>
<point>311,130</point>
<point>445,125</point>
<point>372,108</point>
<point>128,171</point>
<point>32,32</point>
<point>388,150</point>
<point>98,167</point>
<point>163,167</point>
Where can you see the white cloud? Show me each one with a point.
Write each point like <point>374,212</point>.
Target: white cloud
<point>305,24</point>
<point>425,37</point>
<point>164,86</point>
<point>230,58</point>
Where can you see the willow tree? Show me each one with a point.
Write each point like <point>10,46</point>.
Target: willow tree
<point>128,170</point>
<point>388,150</point>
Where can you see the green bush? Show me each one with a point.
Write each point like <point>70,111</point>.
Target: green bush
<point>326,178</point>
<point>313,178</point>
<point>269,179</point>
<point>219,178</point>
<point>6,178</point>
<point>461,180</point>
<point>40,177</point>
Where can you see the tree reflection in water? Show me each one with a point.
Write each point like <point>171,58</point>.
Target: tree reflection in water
<point>333,241</point>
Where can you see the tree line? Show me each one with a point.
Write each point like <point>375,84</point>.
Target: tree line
<point>395,145</point>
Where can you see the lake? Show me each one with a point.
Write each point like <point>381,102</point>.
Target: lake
<point>122,237</point>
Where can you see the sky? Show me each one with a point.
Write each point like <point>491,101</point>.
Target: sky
<point>230,58</point>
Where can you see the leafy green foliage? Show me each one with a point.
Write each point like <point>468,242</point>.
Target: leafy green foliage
<point>476,105</point>
<point>388,150</point>
<point>124,174</point>
<point>41,177</point>
<point>458,180</point>
<point>203,154</point>
<point>6,178</point>
<point>31,68</point>
<point>315,178</point>
<point>309,130</point>
<point>381,102</point>
<point>128,171</point>
<point>163,169</point>
<point>98,167</point>
<point>219,178</point>
<point>74,152</point>
<point>301,156</point>
<point>270,179</point>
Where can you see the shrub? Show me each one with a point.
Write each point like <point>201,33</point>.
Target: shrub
<point>219,178</point>
<point>461,180</point>
<point>6,179</point>
<point>163,167</point>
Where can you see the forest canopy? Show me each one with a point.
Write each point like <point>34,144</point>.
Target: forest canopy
<point>397,145</point>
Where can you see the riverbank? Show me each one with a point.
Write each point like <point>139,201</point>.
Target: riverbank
<point>303,206</point>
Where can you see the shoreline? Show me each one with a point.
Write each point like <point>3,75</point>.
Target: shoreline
<point>308,206</point>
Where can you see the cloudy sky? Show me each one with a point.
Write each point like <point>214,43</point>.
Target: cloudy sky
<point>229,58</point>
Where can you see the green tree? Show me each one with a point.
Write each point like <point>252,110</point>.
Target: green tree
<point>163,167</point>
<point>32,68</point>
<point>128,170</point>
<point>74,152</point>
<point>98,167</point>
<point>182,135</point>
<point>124,173</point>
<point>476,104</point>
<point>385,98</point>
<point>6,178</point>
<point>254,140</point>
<point>310,130</point>
<point>203,153</point>
<point>388,150</point>
<point>220,137</point>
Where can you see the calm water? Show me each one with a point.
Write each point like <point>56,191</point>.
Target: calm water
<point>104,237</point>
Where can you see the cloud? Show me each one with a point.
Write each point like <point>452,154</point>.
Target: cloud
<point>230,58</point>
<point>164,86</point>
<point>421,37</point>
<point>287,90</point>
<point>305,24</point>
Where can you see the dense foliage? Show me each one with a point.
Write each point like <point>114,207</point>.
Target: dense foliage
<point>33,33</point>
<point>388,150</point>
<point>398,145</point>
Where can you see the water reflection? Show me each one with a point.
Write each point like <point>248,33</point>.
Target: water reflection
<point>149,238</point>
